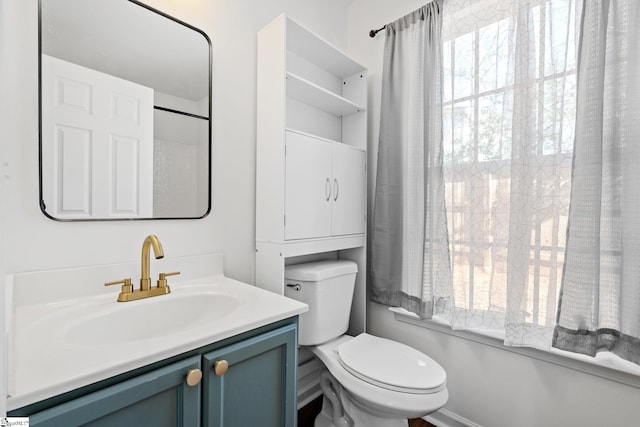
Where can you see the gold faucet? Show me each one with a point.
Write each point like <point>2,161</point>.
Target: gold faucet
<point>145,279</point>
<point>128,293</point>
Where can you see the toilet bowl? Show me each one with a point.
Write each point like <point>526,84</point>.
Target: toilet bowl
<point>383,377</point>
<point>369,381</point>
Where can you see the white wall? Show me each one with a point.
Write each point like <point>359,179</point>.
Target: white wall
<point>34,242</point>
<point>488,386</point>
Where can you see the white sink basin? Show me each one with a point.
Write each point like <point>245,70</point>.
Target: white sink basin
<point>159,316</point>
<point>59,345</point>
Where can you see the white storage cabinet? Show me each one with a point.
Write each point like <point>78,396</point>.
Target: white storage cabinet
<point>311,156</point>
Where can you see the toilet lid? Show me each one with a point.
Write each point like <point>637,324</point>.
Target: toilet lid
<point>391,365</point>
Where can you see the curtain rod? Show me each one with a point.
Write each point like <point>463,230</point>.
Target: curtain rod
<point>373,33</point>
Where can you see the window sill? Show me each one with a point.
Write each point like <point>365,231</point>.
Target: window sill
<point>604,365</point>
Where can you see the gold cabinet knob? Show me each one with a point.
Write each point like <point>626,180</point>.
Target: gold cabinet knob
<point>193,377</point>
<point>220,367</point>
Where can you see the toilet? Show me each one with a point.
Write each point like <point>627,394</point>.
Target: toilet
<point>368,381</point>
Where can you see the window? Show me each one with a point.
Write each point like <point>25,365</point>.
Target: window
<point>509,115</point>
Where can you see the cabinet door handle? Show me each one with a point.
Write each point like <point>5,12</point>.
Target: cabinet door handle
<point>336,189</point>
<point>193,377</point>
<point>327,189</point>
<point>220,367</point>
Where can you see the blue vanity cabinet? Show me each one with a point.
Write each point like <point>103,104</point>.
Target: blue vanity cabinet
<point>258,388</point>
<point>157,398</point>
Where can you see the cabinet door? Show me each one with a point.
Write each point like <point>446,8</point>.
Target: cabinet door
<point>308,187</point>
<point>259,387</point>
<point>158,398</point>
<point>349,190</point>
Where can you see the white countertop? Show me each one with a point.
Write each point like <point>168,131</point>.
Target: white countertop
<point>46,359</point>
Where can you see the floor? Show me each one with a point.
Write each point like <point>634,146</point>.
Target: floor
<point>419,423</point>
<point>307,414</point>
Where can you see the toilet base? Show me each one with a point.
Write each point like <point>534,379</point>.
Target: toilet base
<point>339,410</point>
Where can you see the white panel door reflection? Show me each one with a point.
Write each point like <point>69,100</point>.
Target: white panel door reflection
<point>87,117</point>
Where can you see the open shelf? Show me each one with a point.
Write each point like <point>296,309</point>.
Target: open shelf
<point>315,49</point>
<point>309,93</point>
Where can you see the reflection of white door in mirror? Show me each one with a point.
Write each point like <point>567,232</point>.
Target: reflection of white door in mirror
<point>87,117</point>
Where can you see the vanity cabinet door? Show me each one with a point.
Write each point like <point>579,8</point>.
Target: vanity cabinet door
<point>258,388</point>
<point>158,398</point>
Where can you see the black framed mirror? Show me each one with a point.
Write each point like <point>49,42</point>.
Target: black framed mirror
<point>125,112</point>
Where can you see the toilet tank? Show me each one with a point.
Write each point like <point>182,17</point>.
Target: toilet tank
<point>327,287</point>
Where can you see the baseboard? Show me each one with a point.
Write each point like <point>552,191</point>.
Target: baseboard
<point>445,418</point>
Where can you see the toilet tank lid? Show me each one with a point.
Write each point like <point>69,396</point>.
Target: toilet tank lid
<point>319,270</point>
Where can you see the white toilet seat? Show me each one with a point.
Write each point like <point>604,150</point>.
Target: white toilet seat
<point>383,401</point>
<point>391,365</point>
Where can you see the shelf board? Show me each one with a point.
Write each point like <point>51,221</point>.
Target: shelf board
<point>332,141</point>
<point>311,94</point>
<point>326,244</point>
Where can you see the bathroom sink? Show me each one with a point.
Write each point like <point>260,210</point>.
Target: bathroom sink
<point>67,330</point>
<point>156,317</point>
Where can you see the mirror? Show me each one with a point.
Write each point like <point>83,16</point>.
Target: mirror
<point>125,113</point>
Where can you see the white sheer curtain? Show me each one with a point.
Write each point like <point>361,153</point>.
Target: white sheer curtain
<point>600,303</point>
<point>509,112</point>
<point>472,227</point>
<point>409,249</point>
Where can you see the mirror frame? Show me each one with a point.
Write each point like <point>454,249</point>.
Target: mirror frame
<point>209,125</point>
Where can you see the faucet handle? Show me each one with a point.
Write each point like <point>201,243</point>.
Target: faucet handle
<point>162,279</point>
<point>127,287</point>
